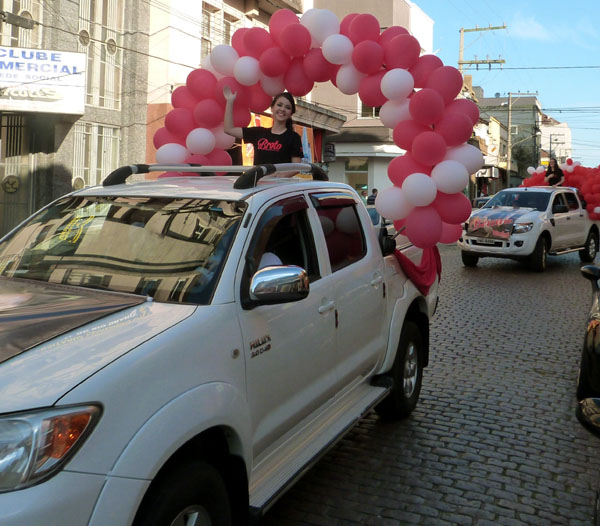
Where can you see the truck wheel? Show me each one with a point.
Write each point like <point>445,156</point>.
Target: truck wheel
<point>191,493</point>
<point>407,373</point>
<point>537,260</point>
<point>589,251</point>
<point>469,260</point>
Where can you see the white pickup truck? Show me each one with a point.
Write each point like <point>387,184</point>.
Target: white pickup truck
<point>528,224</point>
<point>180,351</point>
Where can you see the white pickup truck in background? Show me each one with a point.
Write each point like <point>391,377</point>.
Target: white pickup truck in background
<point>528,224</point>
<point>186,348</point>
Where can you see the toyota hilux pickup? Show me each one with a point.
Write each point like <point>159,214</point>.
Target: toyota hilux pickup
<point>528,224</point>
<point>180,350</point>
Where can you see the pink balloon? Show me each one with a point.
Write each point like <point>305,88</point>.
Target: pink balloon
<point>256,40</point>
<point>295,80</point>
<point>196,158</point>
<point>164,136</point>
<point>423,67</point>
<point>259,100</point>
<point>219,158</point>
<point>450,233</point>
<point>208,113</point>
<point>237,41</point>
<point>316,67</point>
<point>406,131</point>
<point>274,62</point>
<point>466,106</point>
<point>363,27</point>
<point>390,33</point>
<point>180,122</point>
<point>295,40</point>
<point>423,227</point>
<point>367,57</point>
<point>447,81</point>
<point>455,128</point>
<point>404,165</point>
<point>235,86</point>
<point>402,51</point>
<point>241,115</point>
<point>452,208</point>
<point>183,98</point>
<point>399,224</point>
<point>370,90</point>
<point>426,106</point>
<point>428,148</point>
<point>345,24</point>
<point>279,21</point>
<point>201,83</point>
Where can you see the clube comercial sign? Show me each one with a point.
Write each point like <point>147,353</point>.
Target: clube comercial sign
<point>46,81</point>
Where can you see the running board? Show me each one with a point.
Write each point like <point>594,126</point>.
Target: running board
<point>566,251</point>
<point>276,473</point>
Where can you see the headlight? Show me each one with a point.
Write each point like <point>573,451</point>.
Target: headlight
<point>35,445</point>
<point>521,228</point>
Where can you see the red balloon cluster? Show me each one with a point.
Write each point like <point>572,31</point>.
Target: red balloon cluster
<point>417,95</point>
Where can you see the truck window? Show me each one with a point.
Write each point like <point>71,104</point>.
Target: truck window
<point>571,201</point>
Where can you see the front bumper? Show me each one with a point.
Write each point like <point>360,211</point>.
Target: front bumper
<point>516,246</point>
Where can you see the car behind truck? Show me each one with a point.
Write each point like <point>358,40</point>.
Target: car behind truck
<point>183,349</point>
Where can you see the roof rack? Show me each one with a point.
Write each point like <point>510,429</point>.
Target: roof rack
<point>248,179</point>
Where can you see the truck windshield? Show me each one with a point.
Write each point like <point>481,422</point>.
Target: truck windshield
<point>171,249</point>
<point>537,200</point>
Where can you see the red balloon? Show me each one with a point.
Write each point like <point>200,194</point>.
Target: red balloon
<point>452,208</point>
<point>345,24</point>
<point>369,90</point>
<point>274,61</point>
<point>296,81</point>
<point>180,121</point>
<point>466,106</point>
<point>295,40</point>
<point>399,224</point>
<point>402,51</point>
<point>423,67</point>
<point>426,106</point>
<point>455,128</point>
<point>196,158</point>
<point>367,57</point>
<point>428,148</point>
<point>363,27</point>
<point>390,33</point>
<point>447,81</point>
<point>235,86</point>
<point>164,136</point>
<point>256,40</point>
<point>237,41</point>
<point>208,113</point>
<point>450,233</point>
<point>183,98</point>
<point>219,158</point>
<point>404,165</point>
<point>279,20</point>
<point>241,115</point>
<point>424,227</point>
<point>201,83</point>
<point>259,100</point>
<point>406,131</point>
<point>316,67</point>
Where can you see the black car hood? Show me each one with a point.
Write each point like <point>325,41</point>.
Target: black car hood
<point>33,312</point>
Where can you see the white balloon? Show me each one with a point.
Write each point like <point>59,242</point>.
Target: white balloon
<point>597,210</point>
<point>346,221</point>
<point>223,141</point>
<point>272,85</point>
<point>397,84</point>
<point>201,141</point>
<point>206,64</point>
<point>321,25</point>
<point>419,189</point>
<point>394,111</point>
<point>171,153</point>
<point>337,49</point>
<point>223,59</point>
<point>327,225</point>
<point>450,176</point>
<point>348,79</point>
<point>246,71</point>
<point>540,169</point>
<point>308,15</point>
<point>569,168</point>
<point>392,204</point>
<point>530,170</point>
<point>468,155</point>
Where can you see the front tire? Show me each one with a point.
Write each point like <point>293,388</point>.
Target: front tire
<point>407,373</point>
<point>469,260</point>
<point>589,251</point>
<point>537,260</point>
<point>190,494</point>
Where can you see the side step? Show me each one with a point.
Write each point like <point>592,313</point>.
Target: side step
<point>276,473</point>
<point>565,251</point>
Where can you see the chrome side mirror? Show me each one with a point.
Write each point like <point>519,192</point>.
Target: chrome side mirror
<point>281,284</point>
<point>588,413</point>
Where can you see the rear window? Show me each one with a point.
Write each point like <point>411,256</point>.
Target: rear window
<point>170,249</point>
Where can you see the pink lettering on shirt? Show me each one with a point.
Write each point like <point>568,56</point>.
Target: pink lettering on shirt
<point>264,144</point>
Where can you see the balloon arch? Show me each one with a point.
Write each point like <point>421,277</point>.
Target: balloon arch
<point>416,93</point>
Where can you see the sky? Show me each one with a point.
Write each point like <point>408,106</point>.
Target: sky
<point>551,47</point>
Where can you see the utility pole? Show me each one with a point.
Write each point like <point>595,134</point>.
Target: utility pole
<point>550,143</point>
<point>489,62</point>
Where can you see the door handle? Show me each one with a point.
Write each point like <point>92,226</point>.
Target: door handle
<point>568,218</point>
<point>376,281</point>
<point>326,307</point>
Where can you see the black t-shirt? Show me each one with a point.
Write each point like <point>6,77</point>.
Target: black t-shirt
<point>554,177</point>
<point>270,148</point>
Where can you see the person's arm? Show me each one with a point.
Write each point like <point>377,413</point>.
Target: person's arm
<point>562,180</point>
<point>228,126</point>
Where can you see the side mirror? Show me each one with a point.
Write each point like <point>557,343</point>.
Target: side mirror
<point>588,413</point>
<point>283,284</point>
<point>591,273</point>
<point>387,243</point>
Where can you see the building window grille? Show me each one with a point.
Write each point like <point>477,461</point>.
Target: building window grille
<point>369,111</point>
<point>96,152</point>
<point>14,36</point>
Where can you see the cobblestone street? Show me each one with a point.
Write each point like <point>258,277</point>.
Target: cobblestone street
<point>494,439</point>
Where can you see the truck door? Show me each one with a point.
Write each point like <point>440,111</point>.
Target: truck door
<point>577,221</point>
<point>561,222</point>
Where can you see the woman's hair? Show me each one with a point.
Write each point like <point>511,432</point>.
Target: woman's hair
<point>288,96</point>
<point>557,169</point>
